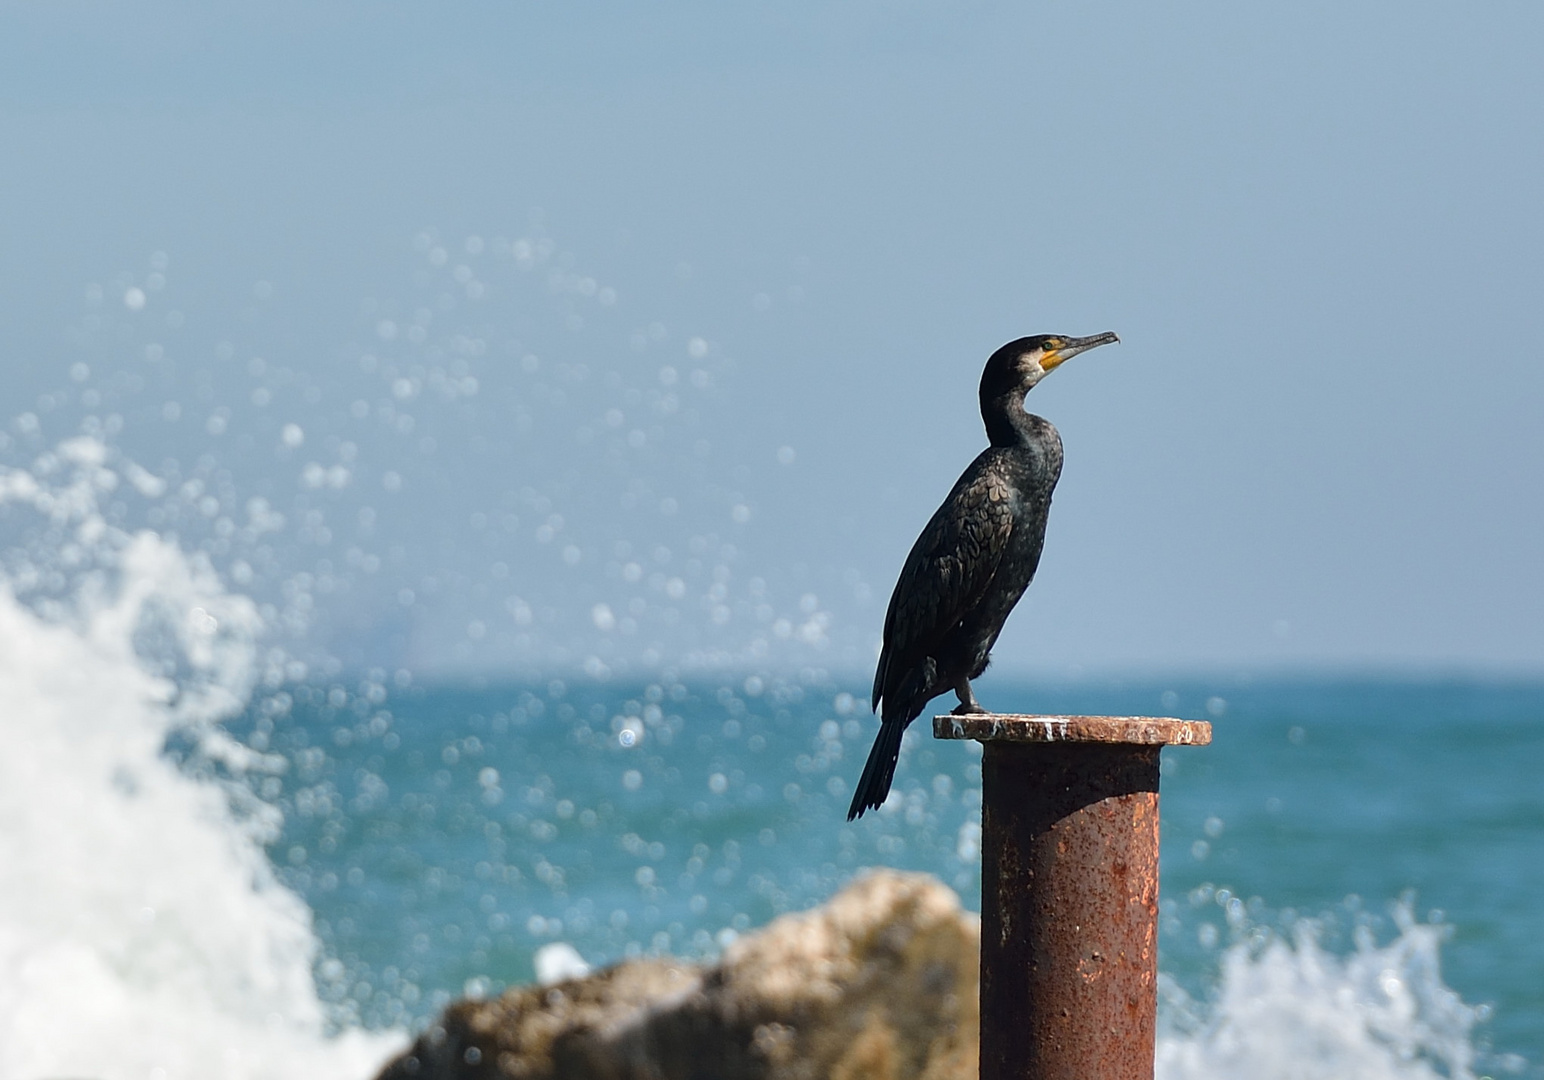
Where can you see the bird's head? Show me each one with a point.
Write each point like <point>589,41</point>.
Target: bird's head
<point>1019,365</point>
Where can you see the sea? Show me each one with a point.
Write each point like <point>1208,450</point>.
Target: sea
<point>1349,872</point>
<point>244,835</point>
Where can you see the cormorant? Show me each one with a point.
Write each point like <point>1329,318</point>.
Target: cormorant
<point>974,559</point>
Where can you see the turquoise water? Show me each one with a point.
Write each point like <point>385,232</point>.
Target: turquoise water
<point>441,834</point>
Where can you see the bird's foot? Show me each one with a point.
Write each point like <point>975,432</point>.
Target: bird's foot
<point>968,705</point>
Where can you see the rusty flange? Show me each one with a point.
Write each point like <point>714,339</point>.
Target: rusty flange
<point>1018,727</point>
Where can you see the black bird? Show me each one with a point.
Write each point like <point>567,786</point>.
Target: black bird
<point>973,561</point>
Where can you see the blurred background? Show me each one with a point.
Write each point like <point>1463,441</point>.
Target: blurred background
<point>375,372</point>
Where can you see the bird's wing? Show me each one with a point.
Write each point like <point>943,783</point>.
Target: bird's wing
<point>950,568</point>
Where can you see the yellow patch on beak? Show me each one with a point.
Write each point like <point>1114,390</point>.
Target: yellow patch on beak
<point>1050,359</point>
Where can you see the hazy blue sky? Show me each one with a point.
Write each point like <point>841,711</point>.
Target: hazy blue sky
<point>1316,227</point>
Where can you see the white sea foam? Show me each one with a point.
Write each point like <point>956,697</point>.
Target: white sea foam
<point>143,934</point>
<point>1293,1010</point>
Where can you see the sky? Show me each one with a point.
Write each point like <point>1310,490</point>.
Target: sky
<point>1315,227</point>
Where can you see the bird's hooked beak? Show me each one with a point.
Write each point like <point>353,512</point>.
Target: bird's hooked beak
<point>1058,350</point>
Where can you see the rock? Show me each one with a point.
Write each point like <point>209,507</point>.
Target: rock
<point>879,983</point>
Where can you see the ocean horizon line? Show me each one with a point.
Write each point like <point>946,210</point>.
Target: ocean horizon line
<point>439,677</point>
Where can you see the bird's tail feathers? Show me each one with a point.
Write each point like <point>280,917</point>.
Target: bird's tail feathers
<point>879,771</point>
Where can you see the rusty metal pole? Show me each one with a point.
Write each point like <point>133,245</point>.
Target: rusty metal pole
<point>1069,891</point>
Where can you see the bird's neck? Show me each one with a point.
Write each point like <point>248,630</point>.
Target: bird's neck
<point>1008,423</point>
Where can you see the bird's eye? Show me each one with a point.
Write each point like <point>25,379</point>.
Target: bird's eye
<point>1050,345</point>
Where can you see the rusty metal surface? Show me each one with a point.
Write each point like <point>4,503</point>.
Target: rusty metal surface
<point>1016,727</point>
<point>1069,898</point>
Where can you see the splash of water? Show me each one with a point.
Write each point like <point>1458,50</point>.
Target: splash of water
<point>142,930</point>
<point>1288,1008</point>
<point>501,464</point>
